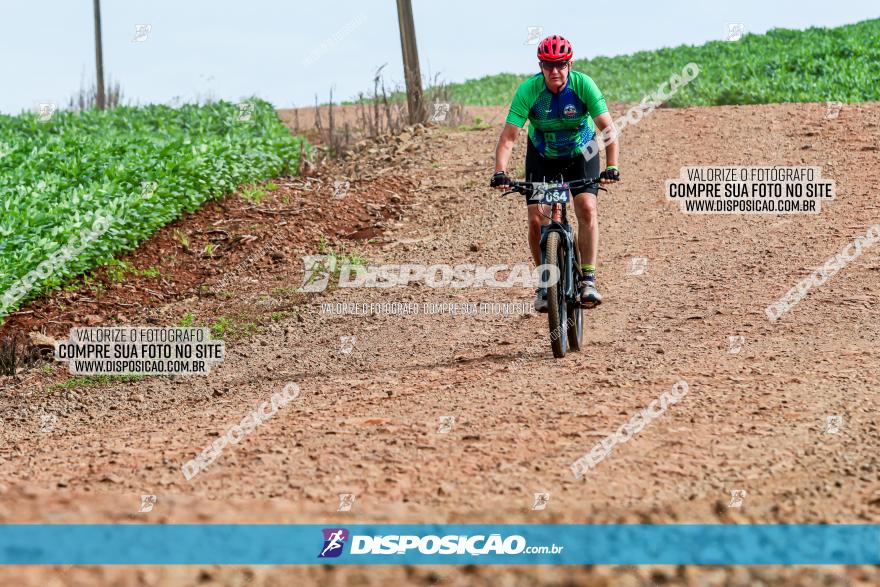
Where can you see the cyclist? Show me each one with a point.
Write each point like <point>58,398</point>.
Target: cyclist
<point>561,105</point>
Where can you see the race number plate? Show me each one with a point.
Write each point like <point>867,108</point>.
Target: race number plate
<point>551,195</point>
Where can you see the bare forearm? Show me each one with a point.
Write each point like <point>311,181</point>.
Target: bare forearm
<point>502,153</point>
<point>612,154</point>
<point>505,146</point>
<point>608,137</point>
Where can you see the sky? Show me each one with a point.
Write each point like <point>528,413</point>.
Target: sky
<point>288,51</point>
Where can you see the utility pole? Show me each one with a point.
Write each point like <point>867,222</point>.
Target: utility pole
<point>417,110</point>
<point>99,56</point>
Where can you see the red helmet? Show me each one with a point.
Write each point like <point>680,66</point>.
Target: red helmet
<point>555,48</point>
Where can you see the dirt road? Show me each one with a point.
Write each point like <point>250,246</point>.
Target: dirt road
<point>376,420</point>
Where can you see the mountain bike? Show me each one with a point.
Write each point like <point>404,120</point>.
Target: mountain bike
<point>559,248</point>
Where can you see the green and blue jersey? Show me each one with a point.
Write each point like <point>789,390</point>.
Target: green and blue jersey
<point>560,125</point>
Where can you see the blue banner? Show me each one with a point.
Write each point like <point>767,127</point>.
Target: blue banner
<point>519,544</point>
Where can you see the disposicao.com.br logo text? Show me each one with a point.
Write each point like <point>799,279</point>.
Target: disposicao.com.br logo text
<point>480,544</point>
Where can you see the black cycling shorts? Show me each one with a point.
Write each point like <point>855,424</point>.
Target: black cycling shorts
<point>540,168</point>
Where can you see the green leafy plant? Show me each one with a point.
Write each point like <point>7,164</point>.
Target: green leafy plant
<point>323,245</point>
<point>782,65</point>
<point>254,193</point>
<point>72,285</point>
<point>219,327</point>
<point>334,260</point>
<point>117,269</point>
<point>187,320</point>
<point>478,124</point>
<point>62,176</point>
<point>225,327</point>
<point>181,237</point>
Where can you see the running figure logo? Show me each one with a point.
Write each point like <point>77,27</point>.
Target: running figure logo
<point>147,503</point>
<point>334,540</point>
<point>736,498</point>
<point>541,501</point>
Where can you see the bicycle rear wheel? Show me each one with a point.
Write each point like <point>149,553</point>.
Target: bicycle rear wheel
<point>554,254</point>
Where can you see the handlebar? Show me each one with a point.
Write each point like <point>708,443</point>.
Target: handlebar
<point>528,187</point>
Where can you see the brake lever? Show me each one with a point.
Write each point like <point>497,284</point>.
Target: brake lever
<point>597,185</point>
<point>513,189</point>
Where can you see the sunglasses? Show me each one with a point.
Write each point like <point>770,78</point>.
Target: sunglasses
<point>550,65</point>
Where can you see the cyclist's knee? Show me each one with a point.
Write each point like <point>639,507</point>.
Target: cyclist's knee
<point>536,221</point>
<point>585,206</point>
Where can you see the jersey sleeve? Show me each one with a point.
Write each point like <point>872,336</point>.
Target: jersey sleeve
<point>523,100</point>
<point>589,93</point>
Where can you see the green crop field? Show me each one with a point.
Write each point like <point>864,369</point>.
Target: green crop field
<point>814,65</point>
<point>131,169</point>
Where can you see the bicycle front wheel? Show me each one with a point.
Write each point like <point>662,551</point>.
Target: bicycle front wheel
<point>557,311</point>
